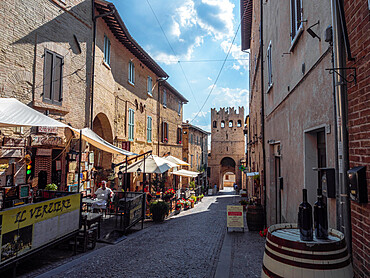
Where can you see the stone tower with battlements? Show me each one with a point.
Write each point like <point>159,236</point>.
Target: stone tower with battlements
<point>227,144</point>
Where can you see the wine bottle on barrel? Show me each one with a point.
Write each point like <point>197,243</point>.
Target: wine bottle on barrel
<point>305,219</point>
<point>320,216</point>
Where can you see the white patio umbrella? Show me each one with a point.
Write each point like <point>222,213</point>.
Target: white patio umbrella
<point>176,160</point>
<point>153,164</point>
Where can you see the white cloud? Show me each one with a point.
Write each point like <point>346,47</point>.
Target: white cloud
<point>200,114</point>
<point>209,78</point>
<point>236,53</point>
<point>230,97</point>
<point>236,67</point>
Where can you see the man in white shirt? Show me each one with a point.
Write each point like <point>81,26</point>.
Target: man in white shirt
<point>102,195</point>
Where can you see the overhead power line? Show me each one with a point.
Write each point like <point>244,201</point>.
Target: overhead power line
<point>223,64</point>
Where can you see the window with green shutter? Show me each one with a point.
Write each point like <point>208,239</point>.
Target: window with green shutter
<point>149,130</point>
<point>131,124</point>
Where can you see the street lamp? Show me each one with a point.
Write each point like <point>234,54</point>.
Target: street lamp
<point>72,154</point>
<point>138,171</point>
<point>120,175</point>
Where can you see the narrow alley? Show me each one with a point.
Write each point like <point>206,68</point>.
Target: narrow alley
<point>194,243</point>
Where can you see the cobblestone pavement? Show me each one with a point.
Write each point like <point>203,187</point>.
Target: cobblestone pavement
<point>187,245</point>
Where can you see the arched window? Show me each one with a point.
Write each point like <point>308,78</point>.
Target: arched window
<point>222,124</point>
<point>239,123</point>
<point>230,123</point>
<point>214,124</point>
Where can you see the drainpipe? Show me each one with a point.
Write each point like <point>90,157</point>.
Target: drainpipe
<point>343,219</point>
<point>94,19</point>
<point>263,117</point>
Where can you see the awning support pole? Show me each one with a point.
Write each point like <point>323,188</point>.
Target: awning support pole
<point>79,162</point>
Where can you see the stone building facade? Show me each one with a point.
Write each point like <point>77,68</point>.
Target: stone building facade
<point>135,108</point>
<point>227,144</point>
<point>45,62</point>
<point>358,24</point>
<point>298,106</point>
<point>195,151</point>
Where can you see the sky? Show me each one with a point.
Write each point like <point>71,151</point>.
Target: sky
<point>190,40</point>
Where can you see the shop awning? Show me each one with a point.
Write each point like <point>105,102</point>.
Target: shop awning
<point>186,173</point>
<point>15,113</point>
<point>95,140</point>
<point>153,164</point>
<point>252,174</point>
<point>176,160</point>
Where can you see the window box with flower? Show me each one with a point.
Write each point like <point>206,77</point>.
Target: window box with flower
<point>165,140</point>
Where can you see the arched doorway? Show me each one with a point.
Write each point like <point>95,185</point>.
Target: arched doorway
<point>228,179</point>
<point>227,166</point>
<point>102,127</point>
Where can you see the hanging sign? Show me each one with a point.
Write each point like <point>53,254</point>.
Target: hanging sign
<point>235,217</point>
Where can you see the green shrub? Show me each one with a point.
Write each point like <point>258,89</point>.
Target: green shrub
<point>159,210</point>
<point>51,186</point>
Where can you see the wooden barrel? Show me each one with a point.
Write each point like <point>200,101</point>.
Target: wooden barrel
<point>287,256</point>
<point>255,217</point>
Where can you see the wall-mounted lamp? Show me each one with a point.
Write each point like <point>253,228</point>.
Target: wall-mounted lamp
<point>138,171</point>
<point>120,175</point>
<point>312,33</point>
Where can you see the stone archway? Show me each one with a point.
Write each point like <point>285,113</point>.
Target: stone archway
<point>227,165</point>
<point>102,127</point>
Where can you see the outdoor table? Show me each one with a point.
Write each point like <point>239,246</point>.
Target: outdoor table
<point>286,255</point>
<point>88,202</point>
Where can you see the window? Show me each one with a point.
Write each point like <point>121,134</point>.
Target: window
<point>149,129</point>
<point>179,135</point>
<point>191,160</point>
<point>295,18</point>
<point>269,65</point>
<point>222,124</point>
<point>18,129</point>
<point>164,132</point>
<point>214,124</point>
<point>239,123</point>
<point>230,123</point>
<point>106,50</point>
<point>131,72</point>
<point>191,138</point>
<point>53,78</point>
<point>179,109</point>
<point>164,98</point>
<point>150,86</point>
<point>131,124</point>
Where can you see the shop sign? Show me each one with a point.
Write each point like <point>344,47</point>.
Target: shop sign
<point>43,152</point>
<point>14,142</point>
<point>47,129</point>
<point>235,217</point>
<point>136,209</point>
<point>42,140</point>
<point>11,152</point>
<point>29,227</point>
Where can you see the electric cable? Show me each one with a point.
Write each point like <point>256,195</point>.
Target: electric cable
<point>223,64</point>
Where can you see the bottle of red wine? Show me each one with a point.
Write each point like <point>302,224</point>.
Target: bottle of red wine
<point>320,216</point>
<point>305,219</point>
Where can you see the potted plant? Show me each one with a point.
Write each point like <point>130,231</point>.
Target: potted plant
<point>244,203</point>
<point>168,195</point>
<point>187,204</point>
<point>178,207</point>
<point>159,210</point>
<point>193,198</point>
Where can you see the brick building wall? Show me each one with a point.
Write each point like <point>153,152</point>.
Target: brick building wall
<point>29,30</point>
<point>358,24</point>
<point>255,154</point>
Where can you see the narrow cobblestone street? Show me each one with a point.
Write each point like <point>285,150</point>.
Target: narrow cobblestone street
<point>192,244</point>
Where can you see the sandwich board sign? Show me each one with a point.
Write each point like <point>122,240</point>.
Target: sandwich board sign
<point>235,217</point>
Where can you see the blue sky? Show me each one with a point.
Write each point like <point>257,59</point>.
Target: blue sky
<point>199,35</point>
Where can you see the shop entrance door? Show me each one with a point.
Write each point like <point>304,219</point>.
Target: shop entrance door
<point>278,189</point>
<point>43,179</point>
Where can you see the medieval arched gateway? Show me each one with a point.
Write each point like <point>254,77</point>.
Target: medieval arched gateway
<point>227,145</point>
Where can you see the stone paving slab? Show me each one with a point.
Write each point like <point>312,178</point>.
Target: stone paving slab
<point>187,245</point>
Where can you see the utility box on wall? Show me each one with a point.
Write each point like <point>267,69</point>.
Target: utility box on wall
<point>328,182</point>
<point>357,184</point>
